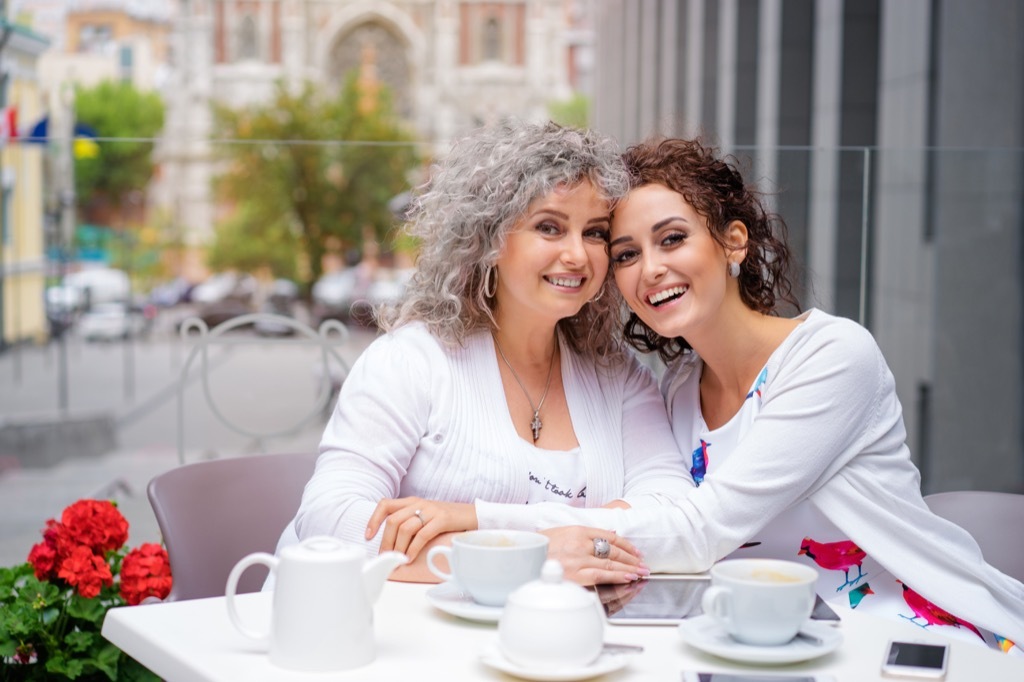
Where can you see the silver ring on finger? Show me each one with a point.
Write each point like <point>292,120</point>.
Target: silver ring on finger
<point>419,515</point>
<point>602,548</point>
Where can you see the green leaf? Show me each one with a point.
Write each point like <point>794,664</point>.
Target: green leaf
<point>7,647</point>
<point>79,640</point>
<point>91,610</point>
<point>106,659</point>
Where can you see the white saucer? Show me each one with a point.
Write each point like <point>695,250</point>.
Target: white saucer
<point>706,634</point>
<point>605,663</point>
<point>451,599</point>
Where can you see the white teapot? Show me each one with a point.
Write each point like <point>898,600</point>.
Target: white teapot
<point>324,591</point>
<point>551,623</point>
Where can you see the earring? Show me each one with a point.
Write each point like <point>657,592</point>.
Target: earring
<point>490,289</point>
<point>734,269</point>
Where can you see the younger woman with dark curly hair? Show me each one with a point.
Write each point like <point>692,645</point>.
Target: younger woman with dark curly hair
<point>791,426</point>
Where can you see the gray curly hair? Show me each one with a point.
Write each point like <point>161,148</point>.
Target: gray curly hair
<point>462,215</point>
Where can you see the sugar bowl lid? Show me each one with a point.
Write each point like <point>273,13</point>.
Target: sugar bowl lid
<point>551,591</point>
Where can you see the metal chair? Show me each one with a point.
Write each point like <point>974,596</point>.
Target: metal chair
<point>213,513</point>
<point>992,518</point>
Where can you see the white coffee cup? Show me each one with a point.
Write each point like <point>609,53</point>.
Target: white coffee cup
<point>490,564</point>
<point>763,602</point>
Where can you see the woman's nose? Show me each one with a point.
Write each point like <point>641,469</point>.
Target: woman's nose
<point>574,252</point>
<point>652,269</point>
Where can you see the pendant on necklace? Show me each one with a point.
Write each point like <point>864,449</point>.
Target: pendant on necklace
<point>536,425</point>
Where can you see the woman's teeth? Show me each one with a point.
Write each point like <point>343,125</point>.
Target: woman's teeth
<point>666,295</point>
<point>573,282</point>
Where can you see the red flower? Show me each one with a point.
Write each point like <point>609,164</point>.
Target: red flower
<point>145,572</point>
<point>85,571</point>
<point>43,558</point>
<point>97,524</point>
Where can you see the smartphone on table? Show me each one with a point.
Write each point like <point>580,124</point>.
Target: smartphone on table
<point>915,660</point>
<point>689,676</point>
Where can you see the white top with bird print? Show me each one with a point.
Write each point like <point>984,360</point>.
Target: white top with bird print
<point>801,533</point>
<point>804,534</point>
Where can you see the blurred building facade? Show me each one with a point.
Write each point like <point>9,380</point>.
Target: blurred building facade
<point>450,64</point>
<point>890,134</point>
<point>22,258</point>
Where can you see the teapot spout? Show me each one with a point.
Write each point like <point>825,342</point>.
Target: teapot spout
<point>376,571</point>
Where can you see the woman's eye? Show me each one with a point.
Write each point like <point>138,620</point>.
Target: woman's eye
<point>598,234</point>
<point>624,257</point>
<point>547,228</point>
<point>673,238</point>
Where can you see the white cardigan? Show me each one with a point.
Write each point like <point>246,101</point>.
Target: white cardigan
<point>415,418</point>
<point>831,415</point>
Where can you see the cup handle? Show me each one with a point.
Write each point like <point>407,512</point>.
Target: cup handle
<point>435,551</point>
<point>715,603</point>
<point>268,560</point>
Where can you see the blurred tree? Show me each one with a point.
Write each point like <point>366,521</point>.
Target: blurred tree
<point>574,111</point>
<point>305,171</point>
<point>112,179</point>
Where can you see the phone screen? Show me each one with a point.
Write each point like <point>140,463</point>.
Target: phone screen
<point>930,656</point>
<point>747,677</point>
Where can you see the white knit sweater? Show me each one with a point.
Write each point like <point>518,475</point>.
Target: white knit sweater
<point>415,418</point>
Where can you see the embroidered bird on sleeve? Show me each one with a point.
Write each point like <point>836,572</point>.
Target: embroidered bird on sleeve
<point>836,556</point>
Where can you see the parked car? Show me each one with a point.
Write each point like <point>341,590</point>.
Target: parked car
<point>281,300</point>
<point>345,295</point>
<point>111,322</point>
<point>171,293</point>
<point>223,286</point>
<point>218,312</point>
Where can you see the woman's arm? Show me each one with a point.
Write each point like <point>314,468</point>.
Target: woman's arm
<point>815,418</point>
<point>369,442</point>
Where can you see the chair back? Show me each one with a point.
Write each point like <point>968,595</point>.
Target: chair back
<point>213,513</point>
<point>988,516</point>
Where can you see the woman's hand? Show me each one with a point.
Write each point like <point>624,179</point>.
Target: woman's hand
<point>573,546</point>
<point>412,522</point>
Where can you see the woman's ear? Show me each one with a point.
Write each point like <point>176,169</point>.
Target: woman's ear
<point>736,241</point>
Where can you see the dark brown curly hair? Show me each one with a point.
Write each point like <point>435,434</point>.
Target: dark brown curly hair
<point>716,190</point>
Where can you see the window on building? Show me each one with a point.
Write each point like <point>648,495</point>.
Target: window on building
<point>94,37</point>
<point>248,43</point>
<point>125,62</point>
<point>492,40</point>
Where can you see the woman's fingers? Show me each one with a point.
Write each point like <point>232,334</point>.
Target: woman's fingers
<point>574,547</point>
<point>386,508</point>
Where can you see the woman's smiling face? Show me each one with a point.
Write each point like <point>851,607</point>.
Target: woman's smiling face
<point>556,257</point>
<point>672,273</point>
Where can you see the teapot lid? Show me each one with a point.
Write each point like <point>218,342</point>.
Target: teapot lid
<point>322,548</point>
<point>551,591</point>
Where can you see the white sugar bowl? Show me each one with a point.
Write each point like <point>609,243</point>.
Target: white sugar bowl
<point>551,622</point>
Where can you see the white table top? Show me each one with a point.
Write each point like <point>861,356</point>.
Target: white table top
<point>194,640</point>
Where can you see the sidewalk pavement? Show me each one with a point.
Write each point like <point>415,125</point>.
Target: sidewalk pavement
<point>251,388</point>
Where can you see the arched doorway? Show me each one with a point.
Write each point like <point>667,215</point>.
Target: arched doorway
<point>374,40</point>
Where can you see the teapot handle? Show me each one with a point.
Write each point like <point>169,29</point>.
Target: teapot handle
<point>268,560</point>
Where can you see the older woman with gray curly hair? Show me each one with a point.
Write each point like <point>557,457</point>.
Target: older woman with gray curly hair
<point>499,378</point>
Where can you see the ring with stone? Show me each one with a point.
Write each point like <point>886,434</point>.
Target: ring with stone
<point>602,548</point>
<point>419,515</point>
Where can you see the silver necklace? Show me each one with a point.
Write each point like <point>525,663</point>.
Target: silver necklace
<point>535,424</point>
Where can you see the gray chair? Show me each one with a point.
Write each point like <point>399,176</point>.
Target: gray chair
<point>213,513</point>
<point>994,519</point>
